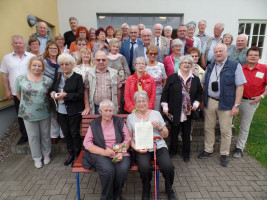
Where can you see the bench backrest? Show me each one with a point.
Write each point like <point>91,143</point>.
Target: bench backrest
<point>87,119</point>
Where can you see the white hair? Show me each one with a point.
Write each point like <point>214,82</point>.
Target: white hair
<point>243,35</point>
<point>140,94</point>
<point>106,102</point>
<point>168,28</point>
<point>161,27</point>
<point>147,29</point>
<point>224,46</point>
<point>186,57</point>
<point>124,24</point>
<point>66,57</point>
<point>140,58</point>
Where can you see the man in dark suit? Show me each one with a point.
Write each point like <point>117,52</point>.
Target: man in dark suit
<point>128,46</point>
<point>160,41</point>
<point>146,37</point>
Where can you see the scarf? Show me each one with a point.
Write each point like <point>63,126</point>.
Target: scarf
<point>140,80</point>
<point>186,101</point>
<point>113,57</point>
<point>54,65</point>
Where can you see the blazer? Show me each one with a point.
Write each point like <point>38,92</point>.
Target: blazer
<point>125,49</point>
<point>74,88</point>
<point>172,94</point>
<point>139,51</point>
<point>165,42</point>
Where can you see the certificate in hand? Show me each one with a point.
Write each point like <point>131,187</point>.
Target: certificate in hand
<point>143,135</point>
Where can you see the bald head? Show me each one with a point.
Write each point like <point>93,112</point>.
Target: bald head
<point>146,36</point>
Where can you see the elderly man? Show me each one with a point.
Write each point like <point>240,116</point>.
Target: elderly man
<point>13,65</point>
<point>141,27</point>
<point>182,34</point>
<point>254,92</point>
<point>140,51</point>
<point>128,46</point>
<point>101,83</point>
<point>160,41</point>
<point>239,55</point>
<point>125,29</point>
<point>168,32</point>
<point>70,35</point>
<point>202,25</point>
<point>112,168</point>
<point>223,90</point>
<point>207,48</point>
<point>42,36</point>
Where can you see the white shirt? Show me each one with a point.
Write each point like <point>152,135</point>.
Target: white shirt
<point>159,41</point>
<point>15,66</point>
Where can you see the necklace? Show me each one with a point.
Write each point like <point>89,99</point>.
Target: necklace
<point>143,114</point>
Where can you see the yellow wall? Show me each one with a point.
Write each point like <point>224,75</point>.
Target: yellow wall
<point>13,15</point>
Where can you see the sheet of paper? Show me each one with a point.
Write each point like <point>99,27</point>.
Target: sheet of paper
<point>143,135</point>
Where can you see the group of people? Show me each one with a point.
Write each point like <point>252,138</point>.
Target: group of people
<point>132,71</point>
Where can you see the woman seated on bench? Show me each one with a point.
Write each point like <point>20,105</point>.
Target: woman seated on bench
<point>144,156</point>
<point>106,135</point>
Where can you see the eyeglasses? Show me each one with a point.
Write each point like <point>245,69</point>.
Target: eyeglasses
<point>141,101</point>
<point>186,63</point>
<point>103,60</point>
<point>62,64</point>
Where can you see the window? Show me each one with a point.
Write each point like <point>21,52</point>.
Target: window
<point>255,30</point>
<point>116,20</point>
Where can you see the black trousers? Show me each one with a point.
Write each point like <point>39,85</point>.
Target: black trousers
<point>70,126</point>
<point>186,130</point>
<point>20,120</point>
<point>112,176</point>
<point>145,168</point>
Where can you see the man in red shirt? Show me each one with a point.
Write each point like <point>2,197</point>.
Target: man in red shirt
<point>254,91</point>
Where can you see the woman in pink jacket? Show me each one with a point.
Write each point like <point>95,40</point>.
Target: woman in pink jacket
<point>140,80</point>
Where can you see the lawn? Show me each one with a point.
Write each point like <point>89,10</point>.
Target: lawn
<point>257,140</point>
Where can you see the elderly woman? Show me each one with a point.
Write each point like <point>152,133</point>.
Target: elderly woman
<point>80,43</point>
<point>140,80</point>
<point>181,94</point>
<point>171,62</point>
<point>196,69</point>
<point>118,34</point>
<point>190,34</point>
<point>82,32</point>
<point>50,56</point>
<point>125,31</point>
<point>60,40</point>
<point>84,62</point>
<point>92,37</point>
<point>157,71</point>
<point>104,132</point>
<point>68,91</point>
<point>228,39</point>
<point>109,33</point>
<point>101,44</point>
<point>34,45</point>
<point>168,32</point>
<point>144,156</point>
<point>32,91</point>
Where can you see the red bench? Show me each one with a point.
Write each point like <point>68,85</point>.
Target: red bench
<point>78,167</point>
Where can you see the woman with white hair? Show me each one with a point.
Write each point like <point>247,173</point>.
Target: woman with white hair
<point>190,35</point>
<point>171,62</point>
<point>168,32</point>
<point>68,91</point>
<point>181,94</point>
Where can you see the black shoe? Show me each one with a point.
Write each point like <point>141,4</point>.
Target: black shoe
<point>238,153</point>
<point>22,140</point>
<point>224,160</point>
<point>69,160</point>
<point>117,198</point>
<point>186,159</point>
<point>171,195</point>
<point>204,155</point>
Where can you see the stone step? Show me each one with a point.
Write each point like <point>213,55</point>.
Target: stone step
<point>197,145</point>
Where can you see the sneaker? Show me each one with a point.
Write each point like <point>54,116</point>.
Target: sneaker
<point>38,164</point>
<point>224,160</point>
<point>204,155</point>
<point>238,153</point>
<point>47,160</point>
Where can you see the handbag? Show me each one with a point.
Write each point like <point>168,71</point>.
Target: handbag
<point>195,114</point>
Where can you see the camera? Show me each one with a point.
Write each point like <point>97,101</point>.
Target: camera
<point>214,86</point>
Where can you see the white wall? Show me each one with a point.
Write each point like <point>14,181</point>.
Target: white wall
<point>213,11</point>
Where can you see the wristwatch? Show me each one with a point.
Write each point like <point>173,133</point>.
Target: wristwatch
<point>262,96</point>
<point>237,105</point>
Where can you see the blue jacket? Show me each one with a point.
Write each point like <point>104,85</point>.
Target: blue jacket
<point>125,49</point>
<point>227,85</point>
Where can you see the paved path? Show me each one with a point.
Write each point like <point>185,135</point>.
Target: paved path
<point>199,179</point>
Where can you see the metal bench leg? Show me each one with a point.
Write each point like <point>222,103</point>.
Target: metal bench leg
<point>78,186</point>
<point>157,184</point>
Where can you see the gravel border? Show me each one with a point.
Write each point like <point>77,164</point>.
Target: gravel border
<point>7,139</point>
